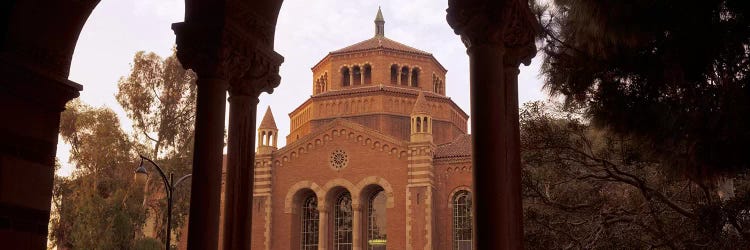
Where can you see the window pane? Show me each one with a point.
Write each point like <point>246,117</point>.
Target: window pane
<point>342,232</point>
<point>462,219</point>
<point>309,223</point>
<point>376,221</point>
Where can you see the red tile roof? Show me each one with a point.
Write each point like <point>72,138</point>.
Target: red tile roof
<point>379,42</point>
<point>460,147</point>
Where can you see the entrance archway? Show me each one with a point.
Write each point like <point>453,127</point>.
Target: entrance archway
<point>229,44</point>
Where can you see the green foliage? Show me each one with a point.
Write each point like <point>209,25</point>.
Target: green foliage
<point>96,208</point>
<point>159,96</point>
<point>148,244</point>
<point>589,188</point>
<point>100,207</point>
<point>673,73</point>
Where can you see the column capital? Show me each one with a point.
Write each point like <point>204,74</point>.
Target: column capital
<point>200,48</point>
<point>508,24</point>
<point>253,70</point>
<point>242,56</point>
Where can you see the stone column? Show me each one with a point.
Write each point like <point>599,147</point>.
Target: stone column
<point>240,157</point>
<point>207,160</point>
<point>199,48</point>
<point>254,70</point>
<point>408,78</point>
<point>357,231</point>
<point>499,35</point>
<point>322,225</point>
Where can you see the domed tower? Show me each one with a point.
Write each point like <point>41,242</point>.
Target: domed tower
<point>267,134</point>
<point>376,83</point>
<point>421,121</point>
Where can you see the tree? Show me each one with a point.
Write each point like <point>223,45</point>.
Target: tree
<point>96,208</point>
<point>673,73</point>
<point>100,207</point>
<point>590,188</point>
<point>159,97</point>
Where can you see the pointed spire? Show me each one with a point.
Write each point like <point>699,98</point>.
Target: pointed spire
<point>379,24</point>
<point>268,122</point>
<point>420,106</point>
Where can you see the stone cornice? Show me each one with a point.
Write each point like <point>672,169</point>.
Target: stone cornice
<point>341,129</point>
<point>365,53</point>
<point>506,23</point>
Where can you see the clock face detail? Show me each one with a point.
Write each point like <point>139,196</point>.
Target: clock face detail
<point>339,159</point>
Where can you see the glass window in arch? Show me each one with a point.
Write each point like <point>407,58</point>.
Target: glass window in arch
<point>376,221</point>
<point>309,223</point>
<point>342,230</point>
<point>462,221</point>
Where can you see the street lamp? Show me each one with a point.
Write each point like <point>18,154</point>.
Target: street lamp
<point>141,174</point>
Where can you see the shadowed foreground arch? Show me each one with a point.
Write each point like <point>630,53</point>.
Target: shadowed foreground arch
<point>229,44</point>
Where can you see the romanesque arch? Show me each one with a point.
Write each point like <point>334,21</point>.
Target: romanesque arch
<point>294,194</point>
<point>218,40</point>
<point>333,187</point>
<point>370,181</point>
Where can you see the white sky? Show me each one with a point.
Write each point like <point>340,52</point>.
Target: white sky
<point>306,31</point>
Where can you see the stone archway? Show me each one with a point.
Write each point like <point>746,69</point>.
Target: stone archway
<point>229,44</point>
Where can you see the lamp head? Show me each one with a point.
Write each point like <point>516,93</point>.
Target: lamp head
<point>141,175</point>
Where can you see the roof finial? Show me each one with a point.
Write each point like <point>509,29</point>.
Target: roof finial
<point>379,24</point>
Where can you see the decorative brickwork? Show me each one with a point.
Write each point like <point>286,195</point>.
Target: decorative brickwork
<point>378,120</point>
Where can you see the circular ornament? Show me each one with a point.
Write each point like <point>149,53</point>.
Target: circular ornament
<point>339,159</point>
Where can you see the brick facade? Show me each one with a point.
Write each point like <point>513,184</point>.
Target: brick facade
<point>408,140</point>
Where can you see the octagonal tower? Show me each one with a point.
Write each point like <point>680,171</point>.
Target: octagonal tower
<point>376,82</point>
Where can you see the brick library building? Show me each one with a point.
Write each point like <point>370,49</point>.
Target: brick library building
<point>377,158</point>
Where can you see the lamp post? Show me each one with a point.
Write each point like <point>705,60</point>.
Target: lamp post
<point>141,174</point>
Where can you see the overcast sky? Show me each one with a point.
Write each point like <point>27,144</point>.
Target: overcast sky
<point>306,31</point>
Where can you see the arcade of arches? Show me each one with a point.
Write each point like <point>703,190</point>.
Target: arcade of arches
<point>229,44</point>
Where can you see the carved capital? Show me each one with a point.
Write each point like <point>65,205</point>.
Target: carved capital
<point>506,23</point>
<point>200,48</point>
<point>252,69</point>
<point>239,50</point>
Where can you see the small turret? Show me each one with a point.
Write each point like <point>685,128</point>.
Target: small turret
<point>379,24</point>
<point>268,133</point>
<point>421,120</point>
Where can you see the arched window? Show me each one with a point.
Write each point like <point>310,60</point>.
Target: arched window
<point>405,76</point>
<point>368,74</point>
<point>394,74</point>
<point>342,222</point>
<point>357,75</point>
<point>462,221</point>
<point>415,77</point>
<point>376,221</point>
<point>345,77</point>
<point>309,223</point>
<point>435,84</point>
<point>419,124</point>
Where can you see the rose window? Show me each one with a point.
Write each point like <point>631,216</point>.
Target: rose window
<point>339,159</point>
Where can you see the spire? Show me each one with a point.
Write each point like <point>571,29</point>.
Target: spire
<point>420,106</point>
<point>379,24</point>
<point>268,121</point>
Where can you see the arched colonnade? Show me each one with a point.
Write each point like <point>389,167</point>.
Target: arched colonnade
<point>229,44</point>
